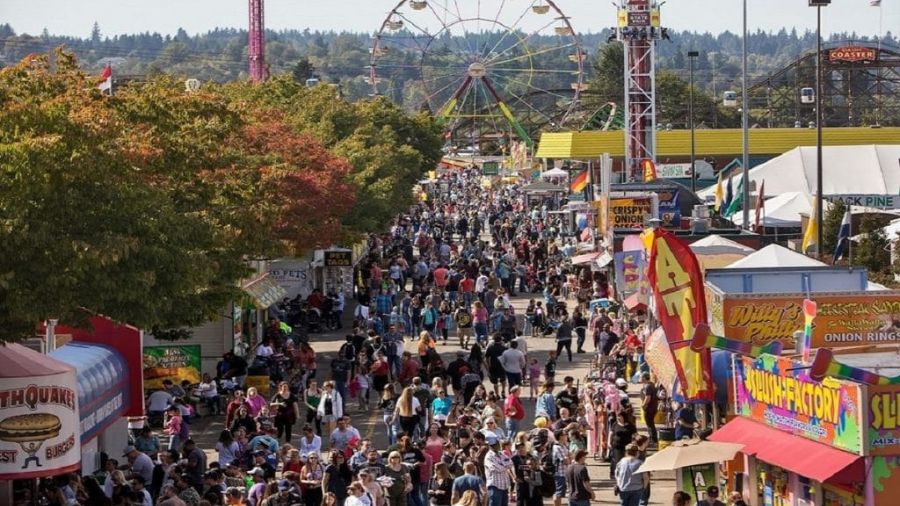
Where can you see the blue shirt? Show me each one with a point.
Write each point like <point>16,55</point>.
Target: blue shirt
<point>383,304</point>
<point>545,406</point>
<point>626,479</point>
<point>467,482</point>
<point>441,407</point>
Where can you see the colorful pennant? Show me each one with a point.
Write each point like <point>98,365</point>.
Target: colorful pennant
<point>704,339</point>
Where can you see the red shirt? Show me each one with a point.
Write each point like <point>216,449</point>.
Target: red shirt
<point>512,408</point>
<point>440,276</point>
<point>467,285</point>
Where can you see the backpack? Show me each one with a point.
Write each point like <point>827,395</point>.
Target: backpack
<point>347,351</point>
<point>184,431</point>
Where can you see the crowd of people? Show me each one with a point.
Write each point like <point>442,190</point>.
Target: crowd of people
<point>456,430</point>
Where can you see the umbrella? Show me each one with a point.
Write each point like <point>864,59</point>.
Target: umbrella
<point>689,452</point>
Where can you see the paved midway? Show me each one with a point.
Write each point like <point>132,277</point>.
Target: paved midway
<point>206,430</point>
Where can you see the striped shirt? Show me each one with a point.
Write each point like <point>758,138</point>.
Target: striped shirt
<point>496,470</point>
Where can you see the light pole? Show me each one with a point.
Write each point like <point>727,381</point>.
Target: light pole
<point>745,128</point>
<point>818,4</point>
<point>691,56</point>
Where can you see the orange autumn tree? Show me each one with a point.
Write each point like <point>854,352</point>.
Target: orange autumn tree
<point>303,192</point>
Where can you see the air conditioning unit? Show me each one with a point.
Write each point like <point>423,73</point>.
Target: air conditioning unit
<point>37,344</point>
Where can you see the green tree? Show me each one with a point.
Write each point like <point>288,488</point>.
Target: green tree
<point>872,251</point>
<point>303,70</point>
<point>832,225</point>
<point>608,84</point>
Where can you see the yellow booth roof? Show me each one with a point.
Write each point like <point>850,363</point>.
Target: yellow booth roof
<point>674,143</point>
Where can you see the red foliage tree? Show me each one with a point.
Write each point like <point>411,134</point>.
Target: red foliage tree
<point>304,187</point>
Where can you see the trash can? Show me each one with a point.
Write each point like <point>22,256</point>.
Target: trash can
<point>666,436</point>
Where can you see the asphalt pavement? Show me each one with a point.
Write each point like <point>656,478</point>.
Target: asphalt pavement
<point>206,430</point>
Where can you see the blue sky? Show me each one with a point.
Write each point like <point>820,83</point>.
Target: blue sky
<point>75,17</point>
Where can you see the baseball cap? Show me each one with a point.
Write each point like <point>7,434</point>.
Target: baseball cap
<point>257,471</point>
<point>620,382</point>
<point>491,439</point>
<point>460,353</point>
<point>128,450</point>
<point>284,485</point>
<point>712,490</point>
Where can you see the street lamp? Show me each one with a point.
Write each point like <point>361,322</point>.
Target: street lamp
<point>818,4</point>
<point>691,56</point>
<point>745,128</point>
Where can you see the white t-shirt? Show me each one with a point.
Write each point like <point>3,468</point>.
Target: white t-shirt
<point>264,350</point>
<point>159,401</point>
<point>513,360</point>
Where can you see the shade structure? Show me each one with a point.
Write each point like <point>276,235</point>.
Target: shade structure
<point>636,302</point>
<point>554,173</point>
<point>847,170</point>
<point>690,452</point>
<point>774,255</point>
<point>781,211</point>
<point>794,453</point>
<point>715,251</point>
<point>585,258</point>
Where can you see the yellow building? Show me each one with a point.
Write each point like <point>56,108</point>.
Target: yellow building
<point>724,142</point>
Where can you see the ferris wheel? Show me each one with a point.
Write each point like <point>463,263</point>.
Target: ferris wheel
<point>486,68</point>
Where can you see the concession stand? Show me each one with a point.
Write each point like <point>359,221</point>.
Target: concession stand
<point>811,440</point>
<point>39,425</point>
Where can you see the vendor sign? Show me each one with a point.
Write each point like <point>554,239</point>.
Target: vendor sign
<point>883,430</point>
<point>177,363</point>
<point>39,425</point>
<point>672,272</point>
<point>778,392</point>
<point>630,268</point>
<point>845,319</point>
<point>629,213</point>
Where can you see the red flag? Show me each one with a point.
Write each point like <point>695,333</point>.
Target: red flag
<point>676,281</point>
<point>106,83</point>
<point>760,198</point>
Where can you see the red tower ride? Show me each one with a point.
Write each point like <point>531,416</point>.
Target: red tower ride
<point>257,42</point>
<point>638,28</point>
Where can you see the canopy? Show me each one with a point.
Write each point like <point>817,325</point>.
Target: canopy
<point>554,173</point>
<point>774,255</point>
<point>794,453</point>
<point>715,251</point>
<point>544,186</point>
<point>585,258</point>
<point>17,361</point>
<point>103,379</point>
<point>690,452</point>
<point>264,290</point>
<point>847,170</point>
<point>782,211</point>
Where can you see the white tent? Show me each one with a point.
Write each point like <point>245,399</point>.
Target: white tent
<point>552,173</point>
<point>774,255</point>
<point>712,244</point>
<point>782,211</point>
<point>847,170</point>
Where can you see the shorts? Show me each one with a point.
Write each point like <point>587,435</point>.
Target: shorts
<point>328,418</point>
<point>497,376</point>
<point>559,486</point>
<point>464,332</point>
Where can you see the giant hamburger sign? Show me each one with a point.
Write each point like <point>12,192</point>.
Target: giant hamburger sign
<point>39,420</point>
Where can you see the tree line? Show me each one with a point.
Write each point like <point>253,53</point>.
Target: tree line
<point>145,206</point>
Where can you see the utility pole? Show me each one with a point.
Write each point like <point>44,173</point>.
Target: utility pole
<point>256,49</point>
<point>691,56</point>
<point>818,4</point>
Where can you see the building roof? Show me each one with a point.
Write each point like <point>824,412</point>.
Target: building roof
<point>712,142</point>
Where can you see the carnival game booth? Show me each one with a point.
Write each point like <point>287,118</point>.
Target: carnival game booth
<point>39,425</point>
<point>813,435</point>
